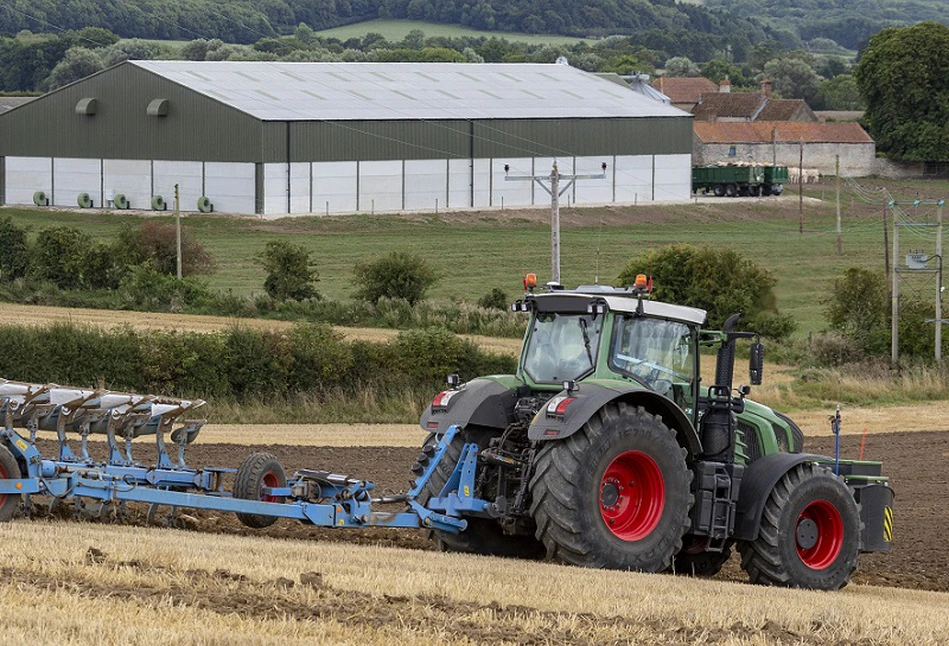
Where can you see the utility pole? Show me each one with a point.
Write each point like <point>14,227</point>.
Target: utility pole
<point>895,297</point>
<point>886,240</point>
<point>837,174</point>
<point>938,320</point>
<point>178,232</point>
<point>800,190</point>
<point>555,192</point>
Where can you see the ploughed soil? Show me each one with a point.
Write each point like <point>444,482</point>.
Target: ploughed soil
<point>915,462</point>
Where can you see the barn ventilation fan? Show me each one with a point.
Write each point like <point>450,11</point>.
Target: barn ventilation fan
<point>87,106</point>
<point>204,204</point>
<point>40,199</point>
<point>158,203</point>
<point>120,201</point>
<point>84,201</point>
<point>157,108</point>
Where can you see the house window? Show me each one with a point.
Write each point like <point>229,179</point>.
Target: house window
<point>732,151</point>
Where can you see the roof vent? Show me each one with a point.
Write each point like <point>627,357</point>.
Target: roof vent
<point>87,106</point>
<point>562,60</point>
<point>157,108</point>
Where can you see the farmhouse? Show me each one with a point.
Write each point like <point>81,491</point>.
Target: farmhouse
<point>782,142</point>
<point>294,138</point>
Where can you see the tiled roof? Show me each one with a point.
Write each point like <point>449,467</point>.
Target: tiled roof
<point>784,132</point>
<point>782,109</point>
<point>684,90</point>
<point>728,104</point>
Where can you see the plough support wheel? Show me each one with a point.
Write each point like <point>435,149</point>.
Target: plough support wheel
<point>257,471</point>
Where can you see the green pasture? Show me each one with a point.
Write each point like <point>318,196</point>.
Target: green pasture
<point>395,30</point>
<point>476,252</point>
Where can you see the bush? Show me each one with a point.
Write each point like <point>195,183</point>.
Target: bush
<point>144,288</point>
<point>858,308</point>
<point>291,273</point>
<point>495,299</point>
<point>155,242</point>
<point>720,281</point>
<point>396,275</point>
<point>59,256</point>
<point>14,251</point>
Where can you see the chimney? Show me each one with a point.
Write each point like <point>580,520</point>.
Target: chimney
<point>725,85</point>
<point>766,87</point>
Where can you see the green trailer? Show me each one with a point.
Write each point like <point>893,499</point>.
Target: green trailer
<point>734,181</point>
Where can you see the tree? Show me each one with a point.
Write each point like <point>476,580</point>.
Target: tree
<point>78,63</point>
<point>681,66</point>
<point>904,77</point>
<point>839,93</point>
<point>793,78</point>
<point>14,253</point>
<point>720,281</point>
<point>396,275</point>
<point>291,273</point>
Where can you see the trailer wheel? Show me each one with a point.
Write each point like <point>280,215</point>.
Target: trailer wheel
<point>258,470</point>
<point>719,190</point>
<point>766,189</point>
<point>731,191</point>
<point>8,469</point>
<point>809,535</point>
<point>482,536</point>
<point>615,494</point>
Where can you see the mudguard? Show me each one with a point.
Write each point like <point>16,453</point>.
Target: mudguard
<point>760,478</point>
<point>483,402</point>
<point>590,397</point>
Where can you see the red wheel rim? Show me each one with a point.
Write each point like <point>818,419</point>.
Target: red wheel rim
<point>829,539</point>
<point>632,494</point>
<point>270,480</point>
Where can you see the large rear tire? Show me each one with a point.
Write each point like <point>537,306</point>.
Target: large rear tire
<point>483,535</point>
<point>809,535</point>
<point>8,469</point>
<point>615,494</point>
<point>259,470</point>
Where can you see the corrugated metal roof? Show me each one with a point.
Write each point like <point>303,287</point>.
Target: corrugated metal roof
<point>407,91</point>
<point>784,131</point>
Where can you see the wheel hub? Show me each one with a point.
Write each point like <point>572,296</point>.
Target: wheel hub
<point>609,494</point>
<point>806,533</point>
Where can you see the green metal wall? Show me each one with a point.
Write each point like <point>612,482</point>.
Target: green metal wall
<point>196,128</point>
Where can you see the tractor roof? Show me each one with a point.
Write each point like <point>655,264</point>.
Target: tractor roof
<point>618,300</point>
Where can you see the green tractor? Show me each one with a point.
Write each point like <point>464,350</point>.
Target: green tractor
<point>605,450</point>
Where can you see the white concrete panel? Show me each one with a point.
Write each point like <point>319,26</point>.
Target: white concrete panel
<point>188,177</point>
<point>275,189</point>
<point>230,186</point>
<point>133,179</point>
<point>459,183</point>
<point>300,187</point>
<point>508,193</point>
<point>334,187</point>
<point>594,191</point>
<point>25,176</point>
<point>633,178</point>
<point>74,176</point>
<point>482,183</point>
<point>673,177</point>
<point>380,186</point>
<point>426,181</point>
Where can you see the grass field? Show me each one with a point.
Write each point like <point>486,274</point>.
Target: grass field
<point>67,582</point>
<point>475,251</point>
<point>395,30</point>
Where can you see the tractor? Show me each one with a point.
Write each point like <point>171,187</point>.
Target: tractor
<point>606,450</point>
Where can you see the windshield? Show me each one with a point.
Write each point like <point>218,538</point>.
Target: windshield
<point>561,347</point>
<point>656,352</point>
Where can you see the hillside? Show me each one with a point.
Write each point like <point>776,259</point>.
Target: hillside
<point>246,21</point>
<point>847,22</point>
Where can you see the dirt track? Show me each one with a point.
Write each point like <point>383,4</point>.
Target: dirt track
<point>914,461</point>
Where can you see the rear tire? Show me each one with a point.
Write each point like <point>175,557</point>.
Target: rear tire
<point>259,470</point>
<point>719,190</point>
<point>483,535</point>
<point>809,535</point>
<point>731,190</point>
<point>615,494</point>
<point>8,469</point>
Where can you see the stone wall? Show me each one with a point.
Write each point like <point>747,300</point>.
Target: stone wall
<point>856,160</point>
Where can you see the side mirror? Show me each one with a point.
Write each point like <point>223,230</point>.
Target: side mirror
<point>756,363</point>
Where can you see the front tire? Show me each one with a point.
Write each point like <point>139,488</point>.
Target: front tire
<point>615,494</point>
<point>809,535</point>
